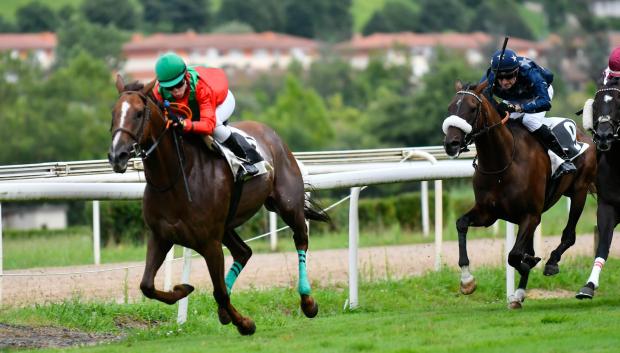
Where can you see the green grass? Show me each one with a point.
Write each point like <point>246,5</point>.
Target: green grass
<point>423,314</point>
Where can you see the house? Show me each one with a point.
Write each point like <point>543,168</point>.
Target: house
<point>420,48</point>
<point>247,53</point>
<point>29,216</point>
<point>21,45</point>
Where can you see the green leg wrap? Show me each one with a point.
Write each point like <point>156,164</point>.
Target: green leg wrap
<point>232,275</point>
<point>304,285</point>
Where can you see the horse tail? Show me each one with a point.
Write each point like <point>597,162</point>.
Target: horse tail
<point>314,212</point>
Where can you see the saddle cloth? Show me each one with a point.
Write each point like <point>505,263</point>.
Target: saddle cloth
<point>235,163</point>
<point>566,132</point>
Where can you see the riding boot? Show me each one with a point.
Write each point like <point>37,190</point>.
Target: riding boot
<point>550,141</point>
<point>244,151</point>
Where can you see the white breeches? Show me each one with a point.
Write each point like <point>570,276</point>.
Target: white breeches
<point>223,111</point>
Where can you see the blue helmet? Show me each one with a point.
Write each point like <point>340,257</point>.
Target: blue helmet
<point>507,63</point>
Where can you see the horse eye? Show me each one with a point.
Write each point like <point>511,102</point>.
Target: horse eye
<point>139,115</point>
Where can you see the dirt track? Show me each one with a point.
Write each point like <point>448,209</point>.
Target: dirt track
<point>263,271</point>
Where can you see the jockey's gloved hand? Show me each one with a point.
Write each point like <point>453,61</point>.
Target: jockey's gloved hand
<point>174,118</point>
<point>506,107</point>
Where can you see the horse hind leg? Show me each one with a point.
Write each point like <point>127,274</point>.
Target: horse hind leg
<point>294,218</point>
<point>155,254</point>
<point>606,221</point>
<point>241,253</point>
<point>578,202</point>
<point>214,257</point>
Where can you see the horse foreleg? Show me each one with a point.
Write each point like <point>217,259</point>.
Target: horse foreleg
<point>577,204</point>
<point>214,256</point>
<point>156,251</point>
<point>521,260</point>
<point>606,217</point>
<point>475,217</point>
<point>241,253</point>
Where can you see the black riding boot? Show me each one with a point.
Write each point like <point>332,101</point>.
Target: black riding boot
<point>549,140</point>
<point>242,149</point>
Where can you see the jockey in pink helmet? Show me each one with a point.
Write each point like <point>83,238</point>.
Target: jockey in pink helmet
<point>613,66</point>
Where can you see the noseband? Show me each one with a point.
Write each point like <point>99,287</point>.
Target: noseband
<point>606,118</point>
<point>472,135</point>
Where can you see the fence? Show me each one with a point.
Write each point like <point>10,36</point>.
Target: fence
<point>323,171</point>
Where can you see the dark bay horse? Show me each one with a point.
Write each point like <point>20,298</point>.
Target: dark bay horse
<point>602,117</point>
<point>139,123</point>
<point>511,182</point>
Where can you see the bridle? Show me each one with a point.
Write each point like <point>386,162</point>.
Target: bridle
<point>615,125</point>
<point>473,134</point>
<point>138,150</point>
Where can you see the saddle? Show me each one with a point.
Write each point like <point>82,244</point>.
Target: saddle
<point>566,132</point>
<point>233,162</point>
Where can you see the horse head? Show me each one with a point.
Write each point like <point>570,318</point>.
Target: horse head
<point>464,121</point>
<point>132,122</point>
<point>601,115</point>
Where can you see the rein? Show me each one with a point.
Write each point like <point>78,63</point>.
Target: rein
<point>140,152</point>
<point>486,129</point>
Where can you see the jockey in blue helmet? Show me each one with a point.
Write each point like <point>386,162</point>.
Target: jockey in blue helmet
<point>526,91</point>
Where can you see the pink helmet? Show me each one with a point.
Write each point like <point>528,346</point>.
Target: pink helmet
<point>614,63</point>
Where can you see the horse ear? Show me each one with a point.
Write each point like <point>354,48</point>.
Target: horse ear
<point>120,83</point>
<point>458,85</point>
<point>148,88</point>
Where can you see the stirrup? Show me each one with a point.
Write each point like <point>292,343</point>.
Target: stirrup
<point>565,168</point>
<point>250,169</point>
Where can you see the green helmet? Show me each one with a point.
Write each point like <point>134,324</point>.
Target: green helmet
<point>170,69</point>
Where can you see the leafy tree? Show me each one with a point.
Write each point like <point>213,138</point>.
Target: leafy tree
<point>396,16</point>
<point>77,35</point>
<point>120,13</point>
<point>352,128</point>
<point>262,15</point>
<point>6,26</point>
<point>415,119</point>
<point>233,27</point>
<point>491,16</point>
<point>323,19</point>
<point>299,116</point>
<point>439,16</point>
<point>36,17</point>
<point>176,16</point>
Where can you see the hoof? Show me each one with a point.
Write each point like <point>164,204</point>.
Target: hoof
<point>182,290</point>
<point>309,306</point>
<point>246,327</point>
<point>515,305</point>
<point>585,293</point>
<point>551,269</point>
<point>222,314</point>
<point>469,287</point>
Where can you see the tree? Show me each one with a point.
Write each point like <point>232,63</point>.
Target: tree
<point>120,13</point>
<point>415,119</point>
<point>439,16</point>
<point>396,16</point>
<point>176,16</point>
<point>262,15</point>
<point>77,35</point>
<point>323,19</point>
<point>491,17</point>
<point>299,116</point>
<point>6,26</point>
<point>36,17</point>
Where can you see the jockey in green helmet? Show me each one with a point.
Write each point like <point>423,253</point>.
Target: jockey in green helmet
<point>205,91</point>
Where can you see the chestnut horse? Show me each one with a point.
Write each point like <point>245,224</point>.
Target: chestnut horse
<point>601,116</point>
<point>511,182</point>
<point>138,123</point>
